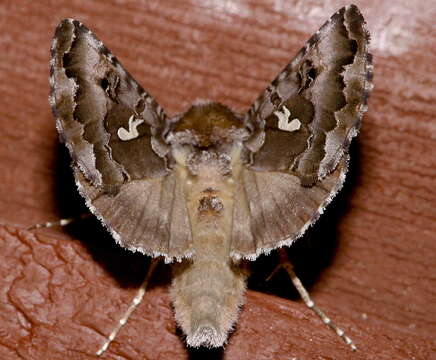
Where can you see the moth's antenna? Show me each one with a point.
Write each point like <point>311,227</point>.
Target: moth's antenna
<point>286,264</point>
<point>61,222</point>
<point>136,301</point>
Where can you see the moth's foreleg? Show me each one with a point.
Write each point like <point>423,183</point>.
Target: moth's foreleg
<point>286,264</point>
<point>60,222</point>
<point>135,302</point>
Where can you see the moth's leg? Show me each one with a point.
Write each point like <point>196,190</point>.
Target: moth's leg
<point>136,301</point>
<point>61,222</point>
<point>286,264</point>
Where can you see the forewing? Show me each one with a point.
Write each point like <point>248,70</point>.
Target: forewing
<point>115,133</point>
<point>301,128</point>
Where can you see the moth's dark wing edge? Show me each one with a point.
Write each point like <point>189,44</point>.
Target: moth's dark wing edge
<point>92,98</point>
<point>326,88</point>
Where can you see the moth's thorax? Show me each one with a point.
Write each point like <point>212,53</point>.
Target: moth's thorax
<point>208,179</point>
<point>206,144</point>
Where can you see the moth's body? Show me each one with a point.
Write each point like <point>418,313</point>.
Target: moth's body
<point>209,188</point>
<point>208,289</point>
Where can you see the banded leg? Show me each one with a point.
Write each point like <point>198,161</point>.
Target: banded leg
<point>61,222</point>
<point>286,264</point>
<point>136,301</point>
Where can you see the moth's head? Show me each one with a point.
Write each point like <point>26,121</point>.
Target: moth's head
<point>208,125</point>
<point>207,135</point>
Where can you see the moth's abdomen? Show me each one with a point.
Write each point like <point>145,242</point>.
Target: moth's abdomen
<point>207,290</point>
<point>207,293</point>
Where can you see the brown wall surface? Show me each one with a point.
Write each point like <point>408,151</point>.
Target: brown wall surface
<point>369,262</point>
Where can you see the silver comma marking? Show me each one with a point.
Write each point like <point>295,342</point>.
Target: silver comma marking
<point>284,123</point>
<point>132,133</point>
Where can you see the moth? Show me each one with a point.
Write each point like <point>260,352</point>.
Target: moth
<point>210,188</point>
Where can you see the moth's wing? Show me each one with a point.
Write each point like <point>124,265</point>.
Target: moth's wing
<point>149,216</point>
<point>115,133</point>
<point>292,172</point>
<point>273,209</point>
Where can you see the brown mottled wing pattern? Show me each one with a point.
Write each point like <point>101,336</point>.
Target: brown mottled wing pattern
<point>292,172</point>
<point>115,133</point>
